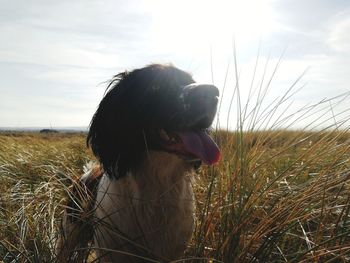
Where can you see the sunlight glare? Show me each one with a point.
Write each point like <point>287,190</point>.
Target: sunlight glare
<point>186,24</point>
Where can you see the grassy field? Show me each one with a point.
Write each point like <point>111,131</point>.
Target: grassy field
<point>276,196</point>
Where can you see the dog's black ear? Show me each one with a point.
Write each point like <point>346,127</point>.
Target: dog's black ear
<point>114,135</point>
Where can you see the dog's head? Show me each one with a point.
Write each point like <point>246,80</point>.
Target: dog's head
<point>158,107</point>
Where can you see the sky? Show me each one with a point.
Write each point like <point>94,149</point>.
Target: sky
<point>56,56</point>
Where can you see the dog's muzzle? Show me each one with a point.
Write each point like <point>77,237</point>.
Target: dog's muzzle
<point>192,141</point>
<point>200,103</point>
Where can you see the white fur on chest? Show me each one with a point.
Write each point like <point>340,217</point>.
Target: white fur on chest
<point>151,210</point>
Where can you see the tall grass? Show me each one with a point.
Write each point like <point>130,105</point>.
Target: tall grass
<point>277,196</point>
<point>35,171</point>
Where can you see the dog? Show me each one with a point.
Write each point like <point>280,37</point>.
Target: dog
<point>149,133</point>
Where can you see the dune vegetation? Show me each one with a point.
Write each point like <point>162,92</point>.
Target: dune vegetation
<point>276,196</point>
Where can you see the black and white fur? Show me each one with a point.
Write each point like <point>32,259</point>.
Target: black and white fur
<point>141,203</point>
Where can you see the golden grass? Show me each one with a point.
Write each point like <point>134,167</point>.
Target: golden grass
<point>35,171</point>
<point>276,196</point>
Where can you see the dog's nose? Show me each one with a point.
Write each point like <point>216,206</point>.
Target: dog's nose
<point>200,102</point>
<point>201,90</point>
<point>201,94</point>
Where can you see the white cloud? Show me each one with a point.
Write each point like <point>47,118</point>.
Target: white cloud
<point>339,38</point>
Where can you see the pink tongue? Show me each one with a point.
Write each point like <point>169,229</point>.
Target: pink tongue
<point>201,145</point>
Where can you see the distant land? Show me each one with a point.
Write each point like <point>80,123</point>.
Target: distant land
<point>38,129</point>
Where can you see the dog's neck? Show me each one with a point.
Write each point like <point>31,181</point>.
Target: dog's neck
<point>162,167</point>
<point>160,174</point>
